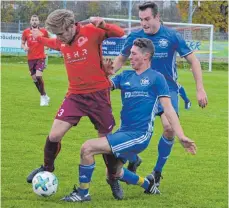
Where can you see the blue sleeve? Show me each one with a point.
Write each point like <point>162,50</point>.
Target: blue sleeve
<point>181,46</point>
<point>161,86</point>
<point>116,81</point>
<point>128,45</point>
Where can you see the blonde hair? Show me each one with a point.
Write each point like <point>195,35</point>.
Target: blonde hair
<point>60,19</point>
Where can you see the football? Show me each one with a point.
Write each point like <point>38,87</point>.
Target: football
<point>45,183</point>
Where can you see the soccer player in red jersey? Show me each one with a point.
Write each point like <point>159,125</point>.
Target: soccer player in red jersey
<point>36,56</point>
<point>89,87</point>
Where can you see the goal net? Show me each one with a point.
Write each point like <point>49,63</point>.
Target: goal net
<point>199,37</point>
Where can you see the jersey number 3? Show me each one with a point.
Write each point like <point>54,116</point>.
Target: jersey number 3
<point>61,111</point>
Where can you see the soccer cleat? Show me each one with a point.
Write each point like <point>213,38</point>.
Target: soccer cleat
<point>187,105</point>
<point>133,166</point>
<point>75,196</point>
<point>152,189</point>
<point>33,173</point>
<point>157,177</point>
<point>47,99</point>
<point>115,188</point>
<point>43,101</point>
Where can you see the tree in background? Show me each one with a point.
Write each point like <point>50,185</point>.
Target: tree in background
<point>93,9</point>
<point>168,11</point>
<point>224,12</point>
<point>7,12</point>
<point>28,8</point>
<point>209,12</point>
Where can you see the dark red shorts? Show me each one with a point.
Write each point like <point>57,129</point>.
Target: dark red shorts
<point>95,105</point>
<point>36,64</point>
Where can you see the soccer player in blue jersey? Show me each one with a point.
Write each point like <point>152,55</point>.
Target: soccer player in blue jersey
<point>141,89</point>
<point>167,43</point>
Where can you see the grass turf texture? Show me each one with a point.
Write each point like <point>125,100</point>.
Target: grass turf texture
<point>189,181</point>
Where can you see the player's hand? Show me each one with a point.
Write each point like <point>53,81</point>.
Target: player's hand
<point>189,145</point>
<point>26,48</point>
<point>36,33</point>
<point>202,98</point>
<point>108,67</point>
<point>98,22</point>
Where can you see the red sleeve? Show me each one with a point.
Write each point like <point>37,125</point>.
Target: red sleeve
<point>23,36</point>
<point>110,30</point>
<point>46,34</point>
<point>113,31</point>
<point>49,42</point>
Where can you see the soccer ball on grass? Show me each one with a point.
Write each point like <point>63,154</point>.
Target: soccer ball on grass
<point>45,183</point>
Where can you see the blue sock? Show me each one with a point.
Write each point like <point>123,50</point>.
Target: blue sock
<point>183,94</point>
<point>85,174</point>
<point>164,149</point>
<point>134,179</point>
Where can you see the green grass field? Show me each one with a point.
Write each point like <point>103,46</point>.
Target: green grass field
<point>189,181</point>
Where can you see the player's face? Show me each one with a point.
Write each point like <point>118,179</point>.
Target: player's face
<point>34,22</point>
<point>149,23</point>
<point>65,35</point>
<point>136,58</point>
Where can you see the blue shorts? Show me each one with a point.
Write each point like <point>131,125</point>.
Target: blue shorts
<point>174,100</point>
<point>125,144</point>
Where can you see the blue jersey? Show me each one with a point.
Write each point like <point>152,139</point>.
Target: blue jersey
<point>167,42</point>
<point>140,96</point>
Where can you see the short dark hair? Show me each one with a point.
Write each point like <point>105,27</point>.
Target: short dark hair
<point>34,15</point>
<point>145,45</point>
<point>149,4</point>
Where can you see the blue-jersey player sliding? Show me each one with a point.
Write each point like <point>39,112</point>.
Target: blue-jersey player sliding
<point>141,90</point>
<point>167,44</point>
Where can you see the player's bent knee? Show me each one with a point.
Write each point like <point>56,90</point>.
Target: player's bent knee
<point>119,172</point>
<point>86,149</point>
<point>168,132</point>
<point>34,77</point>
<point>38,78</point>
<point>55,137</point>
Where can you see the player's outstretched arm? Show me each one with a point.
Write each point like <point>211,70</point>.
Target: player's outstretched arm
<point>172,117</point>
<point>48,42</point>
<point>112,30</point>
<point>197,73</point>
<point>98,22</point>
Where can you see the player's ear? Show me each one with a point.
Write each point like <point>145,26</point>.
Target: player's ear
<point>147,56</point>
<point>157,17</point>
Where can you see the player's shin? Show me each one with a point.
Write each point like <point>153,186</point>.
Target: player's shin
<point>112,164</point>
<point>85,174</point>
<point>36,84</point>
<point>41,85</point>
<point>132,178</point>
<point>51,150</point>
<point>164,149</point>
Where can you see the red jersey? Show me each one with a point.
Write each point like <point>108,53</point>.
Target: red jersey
<point>36,49</point>
<point>83,57</point>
